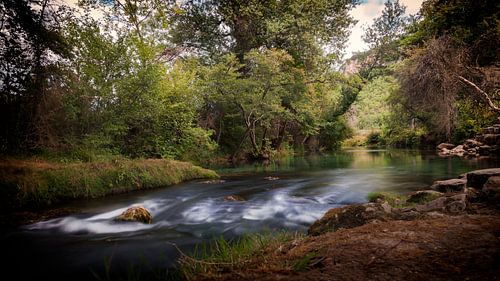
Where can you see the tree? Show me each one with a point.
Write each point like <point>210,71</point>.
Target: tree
<point>383,37</point>
<point>454,62</point>
<point>30,48</point>
<point>301,28</point>
<point>126,99</point>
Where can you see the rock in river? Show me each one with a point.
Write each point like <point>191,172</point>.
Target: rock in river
<point>213,181</point>
<point>137,214</point>
<point>234,198</point>
<point>445,146</point>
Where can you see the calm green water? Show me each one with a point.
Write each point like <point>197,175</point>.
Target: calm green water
<point>72,247</point>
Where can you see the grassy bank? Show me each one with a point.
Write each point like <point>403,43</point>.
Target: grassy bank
<point>227,256</point>
<point>35,183</point>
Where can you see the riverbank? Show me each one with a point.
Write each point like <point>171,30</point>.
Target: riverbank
<point>34,184</point>
<point>428,235</point>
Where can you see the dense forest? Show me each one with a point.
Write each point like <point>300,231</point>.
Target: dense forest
<point>200,80</point>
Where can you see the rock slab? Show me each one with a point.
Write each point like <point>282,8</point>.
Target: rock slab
<point>478,178</point>
<point>449,185</point>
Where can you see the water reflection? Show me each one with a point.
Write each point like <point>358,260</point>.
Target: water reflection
<point>192,213</point>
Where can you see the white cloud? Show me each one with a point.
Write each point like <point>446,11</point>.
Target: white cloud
<point>365,14</point>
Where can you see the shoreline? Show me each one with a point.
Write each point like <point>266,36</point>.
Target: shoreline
<point>435,235</point>
<point>38,186</point>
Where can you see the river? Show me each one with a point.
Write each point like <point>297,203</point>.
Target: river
<point>89,244</point>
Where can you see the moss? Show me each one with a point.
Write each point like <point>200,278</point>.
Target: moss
<point>394,199</point>
<point>422,197</point>
<point>38,183</point>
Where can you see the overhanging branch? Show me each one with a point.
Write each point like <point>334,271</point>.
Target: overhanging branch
<point>483,93</point>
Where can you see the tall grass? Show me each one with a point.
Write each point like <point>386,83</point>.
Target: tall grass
<point>36,184</point>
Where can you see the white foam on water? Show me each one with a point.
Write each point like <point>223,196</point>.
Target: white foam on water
<point>76,225</point>
<point>103,223</point>
<point>202,212</point>
<point>293,209</point>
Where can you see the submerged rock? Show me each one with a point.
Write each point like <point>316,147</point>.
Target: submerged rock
<point>137,214</point>
<point>213,181</point>
<point>449,185</point>
<point>234,198</point>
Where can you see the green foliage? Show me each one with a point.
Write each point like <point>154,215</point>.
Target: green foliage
<point>471,118</point>
<point>372,105</point>
<point>257,104</point>
<point>397,200</point>
<point>384,38</point>
<point>333,133</point>
<point>130,101</point>
<point>468,21</point>
<point>374,138</point>
<point>453,43</point>
<point>190,80</point>
<point>300,28</point>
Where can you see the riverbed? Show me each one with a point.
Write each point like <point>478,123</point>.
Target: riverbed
<point>89,245</point>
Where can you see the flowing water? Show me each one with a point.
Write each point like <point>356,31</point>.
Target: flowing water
<point>90,243</point>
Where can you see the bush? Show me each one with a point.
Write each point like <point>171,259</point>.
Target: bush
<point>374,138</point>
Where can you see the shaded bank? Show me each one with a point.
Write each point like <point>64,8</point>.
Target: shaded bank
<point>34,184</point>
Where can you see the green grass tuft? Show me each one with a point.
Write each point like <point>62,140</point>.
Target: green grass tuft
<point>224,256</point>
<point>394,199</point>
<point>303,263</point>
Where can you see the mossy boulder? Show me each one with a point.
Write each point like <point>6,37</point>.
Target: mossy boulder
<point>423,196</point>
<point>136,214</point>
<point>350,217</point>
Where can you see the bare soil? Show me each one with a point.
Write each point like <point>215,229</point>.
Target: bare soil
<point>440,247</point>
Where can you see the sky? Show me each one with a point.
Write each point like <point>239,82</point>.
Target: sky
<point>365,13</point>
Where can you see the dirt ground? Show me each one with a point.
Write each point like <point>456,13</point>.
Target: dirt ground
<point>465,247</point>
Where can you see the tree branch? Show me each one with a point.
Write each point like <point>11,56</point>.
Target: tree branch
<point>483,93</point>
